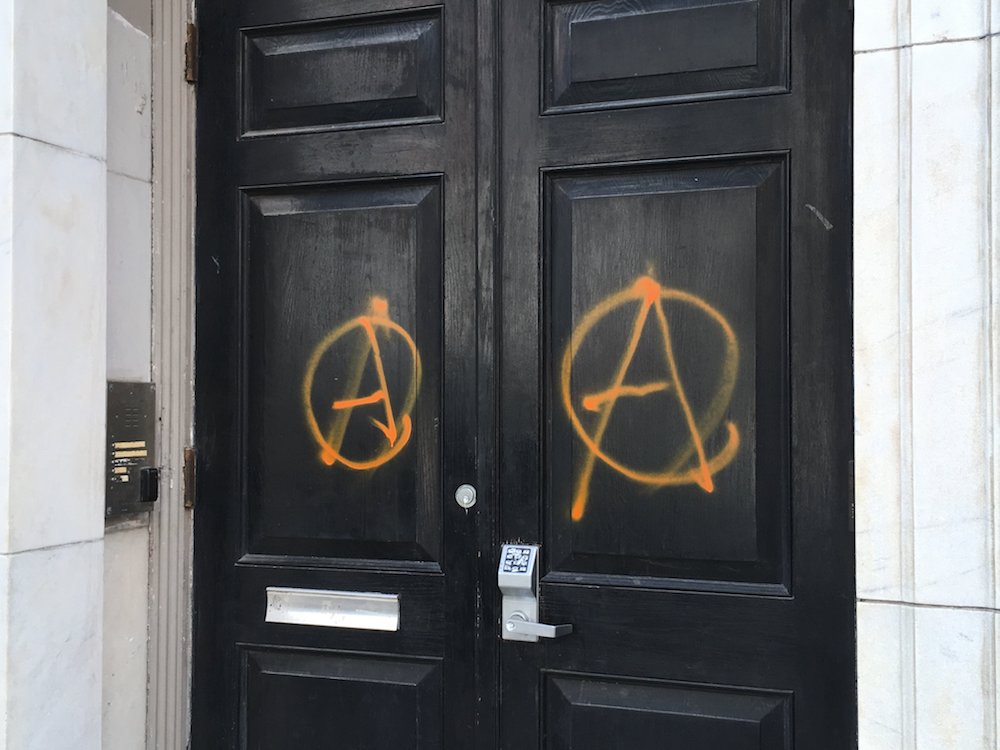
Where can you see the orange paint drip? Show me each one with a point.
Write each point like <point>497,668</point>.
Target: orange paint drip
<point>379,307</point>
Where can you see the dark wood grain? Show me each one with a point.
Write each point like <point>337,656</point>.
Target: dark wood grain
<point>623,53</point>
<point>340,75</point>
<point>595,714</point>
<point>702,188</point>
<point>335,164</point>
<point>495,171</point>
<point>292,684</point>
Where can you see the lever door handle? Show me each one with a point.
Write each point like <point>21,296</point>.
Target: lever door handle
<point>518,623</point>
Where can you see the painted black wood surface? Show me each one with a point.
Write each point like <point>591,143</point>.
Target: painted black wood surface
<point>592,257</point>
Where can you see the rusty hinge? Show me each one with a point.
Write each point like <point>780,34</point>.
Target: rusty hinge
<point>190,466</point>
<point>191,54</point>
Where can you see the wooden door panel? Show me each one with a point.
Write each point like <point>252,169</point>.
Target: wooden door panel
<point>667,452</point>
<point>294,684</point>
<point>600,54</point>
<point>349,154</point>
<point>344,349</point>
<point>667,132</point>
<point>379,71</point>
<point>633,632</point>
<point>599,713</point>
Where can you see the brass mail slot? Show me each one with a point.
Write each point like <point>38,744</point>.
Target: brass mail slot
<point>333,609</point>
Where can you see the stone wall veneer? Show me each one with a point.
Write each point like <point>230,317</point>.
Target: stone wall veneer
<point>53,280</point>
<point>926,373</point>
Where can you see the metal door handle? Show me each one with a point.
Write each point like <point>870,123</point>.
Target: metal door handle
<point>518,580</point>
<point>519,623</point>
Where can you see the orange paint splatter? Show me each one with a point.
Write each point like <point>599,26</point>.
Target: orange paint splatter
<point>397,428</point>
<point>650,295</point>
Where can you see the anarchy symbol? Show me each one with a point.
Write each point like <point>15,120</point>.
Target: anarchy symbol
<point>689,463</point>
<point>396,427</point>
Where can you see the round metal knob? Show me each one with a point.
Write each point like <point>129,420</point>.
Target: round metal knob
<point>465,496</point>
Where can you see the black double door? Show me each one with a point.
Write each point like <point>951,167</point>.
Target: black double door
<point>591,257</point>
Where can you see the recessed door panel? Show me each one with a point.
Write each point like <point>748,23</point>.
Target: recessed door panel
<point>343,369</point>
<point>623,53</point>
<point>343,74</point>
<point>597,713</point>
<point>667,315</point>
<point>328,700</point>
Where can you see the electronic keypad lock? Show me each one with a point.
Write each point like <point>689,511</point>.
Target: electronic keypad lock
<point>518,580</point>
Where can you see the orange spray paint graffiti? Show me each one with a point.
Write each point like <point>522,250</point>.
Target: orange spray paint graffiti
<point>648,296</point>
<point>397,426</point>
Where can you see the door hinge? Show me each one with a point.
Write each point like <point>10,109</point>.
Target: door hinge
<point>190,475</point>
<point>850,492</point>
<point>191,54</point>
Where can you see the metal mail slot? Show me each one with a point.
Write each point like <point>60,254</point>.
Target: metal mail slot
<point>333,609</point>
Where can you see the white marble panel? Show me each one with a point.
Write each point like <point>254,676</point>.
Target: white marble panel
<point>129,92</point>
<point>877,324</point>
<point>6,64</point>
<point>6,321</point>
<point>937,20</point>
<point>4,640</point>
<point>57,380</point>
<point>875,24</point>
<point>885,649</point>
<point>126,600</point>
<point>60,72</point>
<point>53,674</point>
<point>876,196</point>
<point>995,312</point>
<point>956,709</point>
<point>129,278</point>
<point>952,536</point>
<point>994,698</point>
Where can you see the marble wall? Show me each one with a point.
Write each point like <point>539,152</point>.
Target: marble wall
<point>53,281</point>
<point>927,377</point>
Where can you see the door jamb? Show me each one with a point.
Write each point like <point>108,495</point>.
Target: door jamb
<point>168,723</point>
